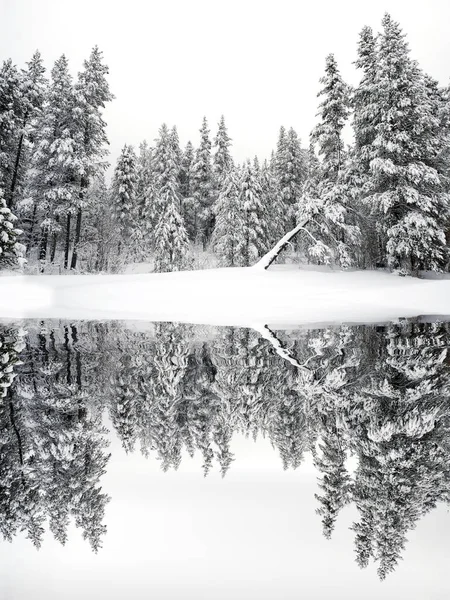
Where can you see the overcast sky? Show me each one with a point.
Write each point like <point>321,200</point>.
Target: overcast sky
<point>257,62</point>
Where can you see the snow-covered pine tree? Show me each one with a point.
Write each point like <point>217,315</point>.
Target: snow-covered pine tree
<point>144,211</point>
<point>124,195</point>
<point>229,224</point>
<point>222,160</point>
<point>364,107</point>
<point>33,88</point>
<point>188,202</point>
<point>325,202</point>
<point>10,120</point>
<point>406,180</point>
<point>254,229</point>
<point>11,345</point>
<point>92,93</point>
<point>172,251</point>
<point>291,169</point>
<point>11,250</point>
<point>186,170</point>
<point>51,186</point>
<point>278,155</point>
<point>272,205</point>
<point>333,113</point>
<point>202,187</point>
<point>102,234</point>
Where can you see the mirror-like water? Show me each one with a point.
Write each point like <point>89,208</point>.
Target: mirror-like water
<point>366,407</point>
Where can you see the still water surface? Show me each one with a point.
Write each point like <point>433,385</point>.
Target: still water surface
<point>175,461</point>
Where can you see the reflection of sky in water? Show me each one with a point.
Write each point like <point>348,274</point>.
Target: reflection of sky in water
<point>371,401</point>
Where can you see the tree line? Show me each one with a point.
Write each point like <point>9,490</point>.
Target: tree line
<point>381,202</point>
<point>377,393</point>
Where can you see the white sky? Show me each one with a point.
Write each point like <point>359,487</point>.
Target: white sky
<point>258,62</point>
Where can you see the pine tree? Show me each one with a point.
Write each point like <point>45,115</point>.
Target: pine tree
<point>51,185</point>
<point>326,200</point>
<point>333,113</point>
<point>229,225</point>
<point>92,93</point>
<point>144,215</point>
<point>253,235</point>
<point>272,205</point>
<point>405,178</point>
<point>171,241</point>
<point>202,186</point>
<point>189,207</point>
<point>291,168</point>
<point>11,109</point>
<point>187,162</point>
<point>124,194</point>
<point>102,235</point>
<point>33,90</point>
<point>11,250</point>
<point>222,160</point>
<point>364,109</point>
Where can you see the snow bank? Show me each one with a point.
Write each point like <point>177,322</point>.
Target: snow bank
<point>285,295</point>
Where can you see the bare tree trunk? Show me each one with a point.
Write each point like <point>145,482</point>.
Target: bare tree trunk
<point>54,241</point>
<point>53,247</point>
<point>67,242</point>
<point>31,239</point>
<point>73,263</point>
<point>16,170</point>
<point>273,254</point>
<point>43,249</point>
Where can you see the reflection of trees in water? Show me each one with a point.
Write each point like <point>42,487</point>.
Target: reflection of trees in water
<point>377,393</point>
<point>51,445</point>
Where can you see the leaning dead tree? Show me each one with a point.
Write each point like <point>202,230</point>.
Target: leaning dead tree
<point>272,255</point>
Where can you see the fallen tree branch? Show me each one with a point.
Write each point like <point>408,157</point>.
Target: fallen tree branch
<point>266,333</point>
<point>272,255</point>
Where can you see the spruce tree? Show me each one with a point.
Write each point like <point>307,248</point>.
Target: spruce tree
<point>253,235</point>
<point>124,194</point>
<point>11,250</point>
<point>51,185</point>
<point>171,241</point>
<point>11,108</point>
<point>222,160</point>
<point>291,168</point>
<point>405,179</point>
<point>91,93</point>
<point>144,215</point>
<point>187,162</point>
<point>33,87</point>
<point>272,204</point>
<point>202,186</point>
<point>188,202</point>
<point>326,200</point>
<point>229,225</point>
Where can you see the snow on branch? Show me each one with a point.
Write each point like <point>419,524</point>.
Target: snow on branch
<point>272,255</point>
<point>266,333</point>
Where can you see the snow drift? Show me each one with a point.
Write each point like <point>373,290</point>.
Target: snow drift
<point>286,295</point>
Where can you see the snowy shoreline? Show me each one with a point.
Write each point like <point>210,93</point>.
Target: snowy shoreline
<point>285,295</point>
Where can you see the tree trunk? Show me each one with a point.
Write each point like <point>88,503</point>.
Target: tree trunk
<point>67,242</point>
<point>272,255</point>
<point>31,232</point>
<point>53,246</point>
<point>68,356</point>
<point>43,249</point>
<point>73,263</point>
<point>16,171</point>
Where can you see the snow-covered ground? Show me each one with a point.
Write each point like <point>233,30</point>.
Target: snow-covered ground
<point>284,295</point>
